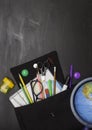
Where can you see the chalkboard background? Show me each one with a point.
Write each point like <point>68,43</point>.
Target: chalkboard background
<point>32,28</point>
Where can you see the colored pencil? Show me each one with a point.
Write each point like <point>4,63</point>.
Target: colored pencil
<point>25,89</point>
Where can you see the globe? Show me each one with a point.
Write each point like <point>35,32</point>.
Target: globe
<point>81,102</point>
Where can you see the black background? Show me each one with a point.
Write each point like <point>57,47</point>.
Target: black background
<point>32,28</point>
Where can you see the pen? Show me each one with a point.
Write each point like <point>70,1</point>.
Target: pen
<point>71,75</point>
<point>25,88</point>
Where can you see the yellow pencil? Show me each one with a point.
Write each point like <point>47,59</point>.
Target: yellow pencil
<point>25,88</point>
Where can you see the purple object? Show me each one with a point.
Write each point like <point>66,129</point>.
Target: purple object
<point>72,75</point>
<point>76,75</point>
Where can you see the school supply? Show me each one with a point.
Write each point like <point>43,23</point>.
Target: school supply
<point>6,84</point>
<point>54,79</point>
<point>25,89</point>
<point>77,75</point>
<point>19,98</point>
<point>24,92</point>
<point>54,113</point>
<point>65,86</point>
<point>24,72</point>
<point>47,93</point>
<point>81,102</point>
<point>42,67</point>
<point>50,87</point>
<point>47,61</point>
<point>35,87</point>
<point>73,75</point>
<point>53,60</point>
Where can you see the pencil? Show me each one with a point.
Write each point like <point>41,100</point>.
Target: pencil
<point>25,88</point>
<point>24,92</point>
<point>54,80</point>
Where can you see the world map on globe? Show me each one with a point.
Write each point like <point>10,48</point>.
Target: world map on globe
<point>87,90</point>
<point>81,102</point>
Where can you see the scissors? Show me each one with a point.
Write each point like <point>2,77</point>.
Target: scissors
<point>42,66</point>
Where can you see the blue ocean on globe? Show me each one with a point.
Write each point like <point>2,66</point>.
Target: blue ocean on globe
<point>83,106</point>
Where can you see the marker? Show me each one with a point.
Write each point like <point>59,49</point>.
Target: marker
<point>25,88</point>
<point>50,86</point>
<point>54,80</point>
